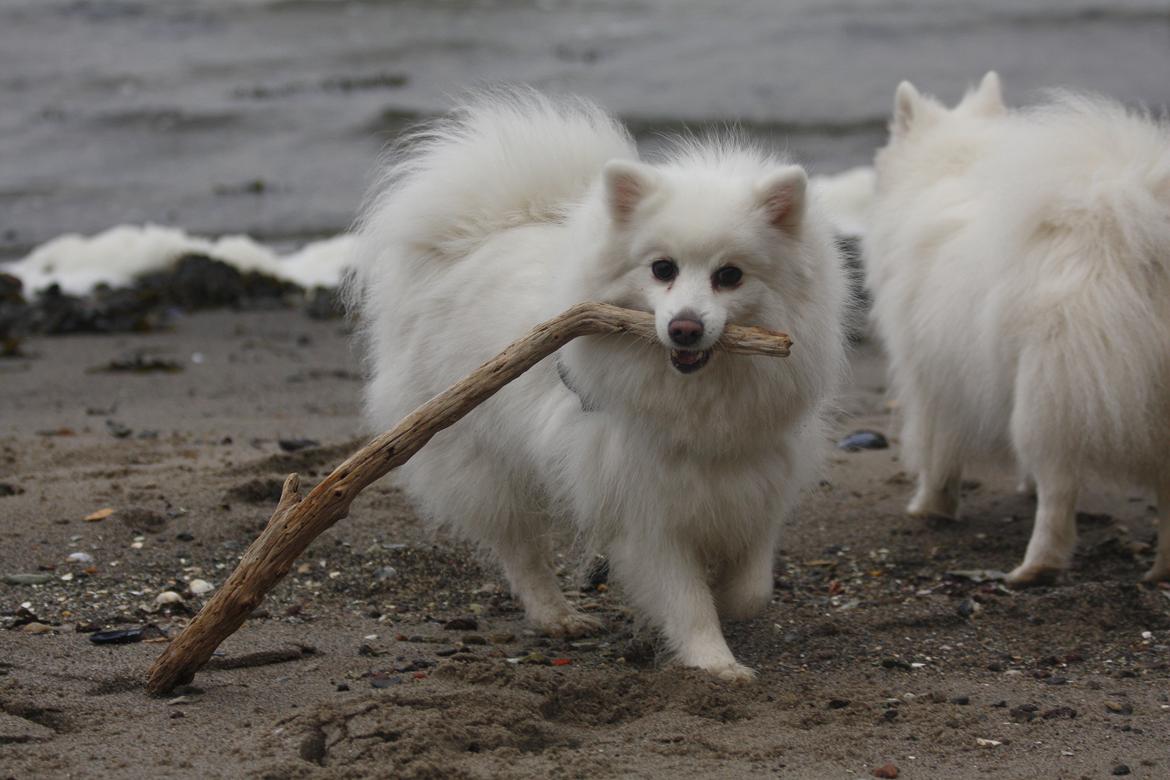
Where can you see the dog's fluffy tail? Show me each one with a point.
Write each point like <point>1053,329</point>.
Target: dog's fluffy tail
<point>504,158</point>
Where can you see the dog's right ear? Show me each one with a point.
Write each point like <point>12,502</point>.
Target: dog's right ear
<point>907,103</point>
<point>627,183</point>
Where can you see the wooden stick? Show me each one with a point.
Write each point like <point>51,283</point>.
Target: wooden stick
<point>298,521</point>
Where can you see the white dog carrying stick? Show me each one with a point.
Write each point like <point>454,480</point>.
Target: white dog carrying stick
<point>298,521</point>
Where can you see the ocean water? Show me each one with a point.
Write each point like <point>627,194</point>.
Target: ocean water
<point>266,117</point>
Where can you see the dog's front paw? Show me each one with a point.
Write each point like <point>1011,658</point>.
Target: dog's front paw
<point>569,625</point>
<point>1028,574</point>
<point>733,672</point>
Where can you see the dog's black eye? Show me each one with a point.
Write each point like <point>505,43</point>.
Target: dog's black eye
<point>664,270</point>
<point>727,276</point>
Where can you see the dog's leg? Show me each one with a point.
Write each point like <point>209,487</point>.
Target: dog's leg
<point>1161,568</point>
<point>669,585</point>
<point>939,475</point>
<point>1054,535</point>
<point>744,585</point>
<point>525,555</point>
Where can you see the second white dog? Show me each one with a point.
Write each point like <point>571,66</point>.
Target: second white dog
<point>675,460</point>
<point>1020,264</point>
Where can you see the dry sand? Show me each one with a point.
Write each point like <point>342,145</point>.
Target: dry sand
<point>870,654</point>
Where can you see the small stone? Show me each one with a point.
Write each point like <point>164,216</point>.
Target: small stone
<point>1055,680</point>
<point>294,445</point>
<point>185,536</point>
<point>182,700</point>
<point>987,743</point>
<point>385,573</point>
<point>342,687</point>
<point>27,579</point>
<point>863,440</point>
<point>1023,713</point>
<point>837,704</point>
<point>1059,712</point>
<point>118,637</point>
<point>167,597</point>
<point>101,514</point>
<point>886,771</point>
<point>199,587</point>
<point>1119,707</point>
<point>894,663</point>
<point>1121,769</point>
<point>969,608</point>
<point>79,557</point>
<point>501,639</point>
<point>446,652</point>
<point>961,700</point>
<point>462,624</point>
<point>36,628</point>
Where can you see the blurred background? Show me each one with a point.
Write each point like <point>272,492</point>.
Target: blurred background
<point>266,117</point>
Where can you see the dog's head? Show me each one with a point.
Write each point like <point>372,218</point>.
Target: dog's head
<point>700,246</point>
<point>929,140</point>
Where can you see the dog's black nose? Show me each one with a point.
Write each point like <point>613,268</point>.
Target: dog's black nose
<point>685,331</point>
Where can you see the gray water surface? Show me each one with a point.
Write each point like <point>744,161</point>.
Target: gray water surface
<point>266,116</point>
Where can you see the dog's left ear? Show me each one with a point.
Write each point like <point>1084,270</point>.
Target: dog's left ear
<point>781,193</point>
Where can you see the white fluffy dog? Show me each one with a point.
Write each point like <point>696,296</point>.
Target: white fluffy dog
<point>1020,263</point>
<point>675,460</point>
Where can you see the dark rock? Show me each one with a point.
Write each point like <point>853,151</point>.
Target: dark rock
<point>1023,713</point>
<point>836,704</point>
<point>295,445</point>
<point>119,637</point>
<point>1059,712</point>
<point>462,624</point>
<point>8,489</point>
<point>863,440</point>
<point>1121,769</point>
<point>961,700</point>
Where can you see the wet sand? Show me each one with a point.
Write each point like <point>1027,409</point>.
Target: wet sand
<point>869,654</point>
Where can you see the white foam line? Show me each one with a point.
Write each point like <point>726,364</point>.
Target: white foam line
<point>121,254</point>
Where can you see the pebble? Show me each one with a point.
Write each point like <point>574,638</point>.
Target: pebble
<point>342,687</point>
<point>385,573</point>
<point>36,628</point>
<point>200,587</point>
<point>836,704</point>
<point>382,680</point>
<point>961,700</point>
<point>27,579</point>
<point>886,771</point>
<point>167,597</point>
<point>1059,712</point>
<point>502,639</point>
<point>1121,769</point>
<point>1119,708</point>
<point>118,637</point>
<point>184,536</point>
<point>183,700</point>
<point>863,440</point>
<point>294,445</point>
<point>80,557</point>
<point>462,624</point>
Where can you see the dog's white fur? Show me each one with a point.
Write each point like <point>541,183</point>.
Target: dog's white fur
<point>518,206</point>
<point>1020,264</point>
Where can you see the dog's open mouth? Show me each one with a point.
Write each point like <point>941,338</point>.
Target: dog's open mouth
<point>689,361</point>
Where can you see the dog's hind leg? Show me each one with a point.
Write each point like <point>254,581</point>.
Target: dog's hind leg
<point>668,583</point>
<point>936,450</point>
<point>1161,568</point>
<point>1054,535</point>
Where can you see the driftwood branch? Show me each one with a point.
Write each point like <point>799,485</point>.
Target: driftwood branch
<point>298,521</point>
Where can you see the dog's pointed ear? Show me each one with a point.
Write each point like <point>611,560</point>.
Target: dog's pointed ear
<point>627,183</point>
<point>987,99</point>
<point>781,194</point>
<point>907,103</point>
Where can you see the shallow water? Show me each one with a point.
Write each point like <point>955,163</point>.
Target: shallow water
<point>266,116</point>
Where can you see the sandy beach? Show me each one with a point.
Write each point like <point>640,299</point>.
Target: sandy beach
<point>393,652</point>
